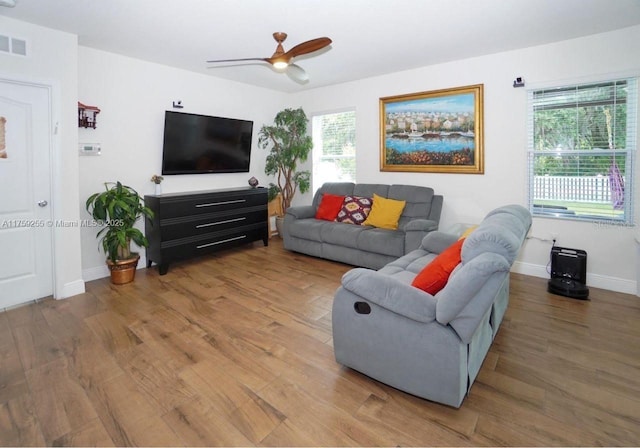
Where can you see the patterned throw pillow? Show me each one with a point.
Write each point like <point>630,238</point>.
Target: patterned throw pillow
<point>355,210</point>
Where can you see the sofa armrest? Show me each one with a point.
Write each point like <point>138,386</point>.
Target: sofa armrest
<point>421,225</point>
<point>415,230</point>
<point>302,211</point>
<point>391,294</point>
<point>436,242</point>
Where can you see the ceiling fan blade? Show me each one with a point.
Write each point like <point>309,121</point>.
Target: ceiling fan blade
<point>281,60</point>
<point>238,60</point>
<point>297,73</point>
<point>308,47</point>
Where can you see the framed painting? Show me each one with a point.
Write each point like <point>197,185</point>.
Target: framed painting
<point>433,132</point>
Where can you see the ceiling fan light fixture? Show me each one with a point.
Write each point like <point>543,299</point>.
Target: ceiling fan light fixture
<point>280,65</point>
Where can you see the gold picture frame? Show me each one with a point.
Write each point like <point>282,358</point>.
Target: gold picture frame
<point>440,131</point>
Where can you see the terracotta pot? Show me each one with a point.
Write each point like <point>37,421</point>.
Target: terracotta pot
<point>123,271</point>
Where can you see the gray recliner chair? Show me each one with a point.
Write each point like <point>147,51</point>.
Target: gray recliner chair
<point>428,345</point>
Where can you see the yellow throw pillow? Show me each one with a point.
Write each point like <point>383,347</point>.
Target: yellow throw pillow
<point>385,213</point>
<point>467,232</point>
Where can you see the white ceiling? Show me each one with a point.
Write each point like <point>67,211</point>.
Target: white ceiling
<point>370,37</point>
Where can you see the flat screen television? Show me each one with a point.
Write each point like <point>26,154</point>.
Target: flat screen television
<point>197,144</point>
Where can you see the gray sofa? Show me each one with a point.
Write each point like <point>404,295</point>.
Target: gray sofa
<point>357,245</point>
<point>430,346</point>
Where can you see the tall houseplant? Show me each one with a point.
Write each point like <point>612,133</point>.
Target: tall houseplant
<point>118,208</point>
<point>288,145</point>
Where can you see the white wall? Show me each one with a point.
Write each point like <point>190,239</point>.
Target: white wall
<point>133,96</point>
<point>467,198</point>
<point>53,60</point>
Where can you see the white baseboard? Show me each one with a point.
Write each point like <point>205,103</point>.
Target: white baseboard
<point>95,273</point>
<point>595,280</point>
<point>534,270</point>
<point>71,289</point>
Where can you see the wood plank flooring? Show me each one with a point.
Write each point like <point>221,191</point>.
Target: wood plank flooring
<point>235,349</point>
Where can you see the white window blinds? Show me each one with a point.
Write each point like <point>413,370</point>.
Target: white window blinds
<point>581,144</point>
<point>334,148</point>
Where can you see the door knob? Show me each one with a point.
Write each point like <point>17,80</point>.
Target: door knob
<point>43,203</point>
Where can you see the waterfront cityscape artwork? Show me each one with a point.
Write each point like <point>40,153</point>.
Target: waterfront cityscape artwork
<point>440,131</point>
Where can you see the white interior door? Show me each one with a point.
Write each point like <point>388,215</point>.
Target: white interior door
<point>26,226</point>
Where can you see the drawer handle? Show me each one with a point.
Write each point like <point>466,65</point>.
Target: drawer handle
<point>221,241</point>
<point>209,224</point>
<point>211,204</point>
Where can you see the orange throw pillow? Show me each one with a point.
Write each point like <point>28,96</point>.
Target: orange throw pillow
<point>329,207</point>
<point>435,275</point>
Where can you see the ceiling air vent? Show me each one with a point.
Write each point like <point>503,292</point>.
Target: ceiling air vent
<point>13,45</point>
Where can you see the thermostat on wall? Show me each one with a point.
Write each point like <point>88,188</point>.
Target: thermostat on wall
<point>89,149</point>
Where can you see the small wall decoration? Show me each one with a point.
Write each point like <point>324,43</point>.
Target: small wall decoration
<point>433,132</point>
<point>3,138</point>
<point>87,115</point>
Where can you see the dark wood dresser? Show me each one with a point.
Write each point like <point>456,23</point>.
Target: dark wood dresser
<point>191,224</point>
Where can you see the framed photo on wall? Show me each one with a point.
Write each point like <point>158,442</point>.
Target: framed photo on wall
<point>440,131</point>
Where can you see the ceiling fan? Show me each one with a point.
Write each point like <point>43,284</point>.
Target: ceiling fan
<point>281,60</point>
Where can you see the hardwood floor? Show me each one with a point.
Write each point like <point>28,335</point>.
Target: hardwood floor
<point>235,349</point>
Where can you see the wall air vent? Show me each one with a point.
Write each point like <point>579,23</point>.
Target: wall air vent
<point>4,44</point>
<point>13,45</point>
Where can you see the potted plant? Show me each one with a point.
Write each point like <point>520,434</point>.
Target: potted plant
<point>288,145</point>
<point>118,208</point>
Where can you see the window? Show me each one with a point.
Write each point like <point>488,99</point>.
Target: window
<point>581,144</point>
<point>334,148</point>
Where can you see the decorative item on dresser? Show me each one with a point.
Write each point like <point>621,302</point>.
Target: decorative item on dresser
<point>187,225</point>
<point>157,181</point>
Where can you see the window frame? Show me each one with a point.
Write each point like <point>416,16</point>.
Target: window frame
<point>315,185</point>
<point>631,142</point>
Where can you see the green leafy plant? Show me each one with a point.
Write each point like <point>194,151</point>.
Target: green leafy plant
<point>118,208</point>
<point>288,145</point>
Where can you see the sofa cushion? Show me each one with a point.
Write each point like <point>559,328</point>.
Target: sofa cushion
<point>413,262</point>
<point>355,210</point>
<point>435,275</point>
<point>418,201</point>
<point>381,241</point>
<point>385,213</point>
<point>368,190</point>
<point>337,188</point>
<point>308,229</point>
<point>329,207</point>
<point>341,234</point>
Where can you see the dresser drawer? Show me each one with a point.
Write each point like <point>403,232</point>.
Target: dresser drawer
<point>175,228</point>
<point>204,204</point>
<point>191,247</point>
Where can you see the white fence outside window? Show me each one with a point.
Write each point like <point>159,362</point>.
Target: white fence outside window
<point>572,188</point>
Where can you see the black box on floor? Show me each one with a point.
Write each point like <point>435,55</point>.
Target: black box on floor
<point>568,273</point>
